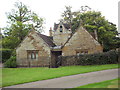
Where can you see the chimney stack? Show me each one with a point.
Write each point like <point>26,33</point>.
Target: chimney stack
<point>50,32</point>
<point>96,36</point>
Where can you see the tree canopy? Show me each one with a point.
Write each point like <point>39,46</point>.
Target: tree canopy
<point>20,21</point>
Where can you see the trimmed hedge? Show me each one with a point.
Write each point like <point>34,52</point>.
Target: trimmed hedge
<point>11,63</point>
<point>110,57</point>
<point>6,54</point>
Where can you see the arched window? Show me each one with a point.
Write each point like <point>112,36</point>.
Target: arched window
<point>61,29</point>
<point>32,54</point>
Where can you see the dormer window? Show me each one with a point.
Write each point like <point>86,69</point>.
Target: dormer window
<point>61,29</point>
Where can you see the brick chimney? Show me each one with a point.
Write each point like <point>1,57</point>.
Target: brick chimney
<point>50,32</point>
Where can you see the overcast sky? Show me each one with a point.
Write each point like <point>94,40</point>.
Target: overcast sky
<point>51,9</point>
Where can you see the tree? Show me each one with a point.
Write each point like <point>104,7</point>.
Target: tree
<point>67,15</point>
<point>94,21</point>
<point>20,21</point>
<point>106,30</point>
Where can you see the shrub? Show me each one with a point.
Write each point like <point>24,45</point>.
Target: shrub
<point>110,57</point>
<point>6,53</point>
<point>11,63</point>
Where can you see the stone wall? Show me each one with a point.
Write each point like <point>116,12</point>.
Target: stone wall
<point>41,62</point>
<point>61,37</point>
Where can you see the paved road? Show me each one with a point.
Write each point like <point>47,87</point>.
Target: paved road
<point>72,81</point>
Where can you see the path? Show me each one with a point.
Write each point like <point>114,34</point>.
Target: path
<point>1,65</point>
<point>72,81</point>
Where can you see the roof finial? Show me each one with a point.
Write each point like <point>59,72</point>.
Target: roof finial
<point>50,28</point>
<point>50,31</point>
<point>61,23</point>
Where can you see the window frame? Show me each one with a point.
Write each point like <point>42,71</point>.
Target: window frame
<point>61,28</point>
<point>32,54</point>
<point>82,51</point>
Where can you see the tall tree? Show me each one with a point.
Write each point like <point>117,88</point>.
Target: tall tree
<point>67,15</point>
<point>20,21</point>
<point>106,30</point>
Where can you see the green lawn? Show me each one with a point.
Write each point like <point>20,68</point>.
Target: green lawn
<point>12,76</point>
<point>0,77</point>
<point>105,84</point>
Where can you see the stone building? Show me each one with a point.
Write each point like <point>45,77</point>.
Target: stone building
<point>38,50</point>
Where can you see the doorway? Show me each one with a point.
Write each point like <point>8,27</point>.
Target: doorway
<point>54,59</point>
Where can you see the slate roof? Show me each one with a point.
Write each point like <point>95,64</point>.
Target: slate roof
<point>47,39</point>
<point>67,26</point>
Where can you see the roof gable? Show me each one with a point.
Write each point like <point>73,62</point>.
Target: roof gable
<point>48,40</point>
<point>67,26</point>
<point>80,30</point>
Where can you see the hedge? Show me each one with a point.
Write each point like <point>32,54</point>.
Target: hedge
<point>11,63</point>
<point>110,57</point>
<point>6,53</point>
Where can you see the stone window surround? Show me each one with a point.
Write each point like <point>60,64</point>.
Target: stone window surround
<point>81,51</point>
<point>61,28</point>
<point>32,54</point>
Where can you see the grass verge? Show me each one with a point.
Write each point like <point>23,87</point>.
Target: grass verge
<point>13,76</point>
<point>105,84</point>
<point>0,77</point>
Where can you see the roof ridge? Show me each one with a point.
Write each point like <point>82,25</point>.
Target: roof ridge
<point>66,25</point>
<point>47,39</point>
<point>46,36</point>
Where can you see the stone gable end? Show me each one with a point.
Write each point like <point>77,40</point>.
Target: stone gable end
<point>81,41</point>
<point>33,42</point>
<point>61,37</point>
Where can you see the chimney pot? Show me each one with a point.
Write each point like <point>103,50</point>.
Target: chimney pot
<point>50,31</point>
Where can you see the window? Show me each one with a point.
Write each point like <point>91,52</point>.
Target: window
<point>84,52</point>
<point>81,52</point>
<point>60,26</point>
<point>61,29</point>
<point>32,54</point>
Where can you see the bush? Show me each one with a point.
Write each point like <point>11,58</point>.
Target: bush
<point>6,53</point>
<point>11,63</point>
<point>110,57</point>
